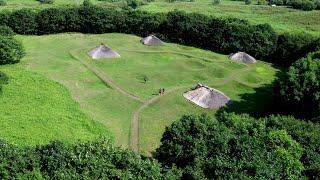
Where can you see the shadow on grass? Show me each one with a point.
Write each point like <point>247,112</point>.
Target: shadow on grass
<point>260,103</point>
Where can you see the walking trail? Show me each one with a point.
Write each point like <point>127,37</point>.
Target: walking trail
<point>134,134</point>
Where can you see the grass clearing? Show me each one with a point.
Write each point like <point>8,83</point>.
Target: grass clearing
<point>35,110</point>
<point>173,67</point>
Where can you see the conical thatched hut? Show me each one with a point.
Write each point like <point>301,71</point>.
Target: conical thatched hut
<point>207,97</point>
<point>151,41</point>
<point>102,51</point>
<point>242,57</point>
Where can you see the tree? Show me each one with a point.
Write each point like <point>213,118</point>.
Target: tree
<point>299,89</point>
<point>11,50</point>
<point>307,134</point>
<point>229,147</point>
<point>97,159</point>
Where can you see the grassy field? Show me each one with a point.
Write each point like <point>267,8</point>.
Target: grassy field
<point>35,110</point>
<point>281,18</point>
<point>177,68</point>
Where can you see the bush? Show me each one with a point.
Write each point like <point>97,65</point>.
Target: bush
<point>3,3</point>
<point>262,2</point>
<point>46,1</point>
<point>216,2</point>
<point>89,160</point>
<point>299,89</point>
<point>247,2</point>
<point>291,47</point>
<point>276,2</point>
<point>307,134</point>
<point>306,5</point>
<point>229,147</point>
<point>23,21</point>
<point>11,50</point>
<point>6,31</point>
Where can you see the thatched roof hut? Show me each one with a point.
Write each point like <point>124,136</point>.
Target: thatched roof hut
<point>207,97</point>
<point>151,41</point>
<point>242,57</point>
<point>102,51</point>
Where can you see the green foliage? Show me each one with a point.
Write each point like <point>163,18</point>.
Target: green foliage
<point>6,31</point>
<point>229,147</point>
<point>306,5</point>
<point>262,2</point>
<point>216,2</point>
<point>307,134</point>
<point>3,3</point>
<point>11,50</point>
<point>87,3</point>
<point>247,2</point>
<point>46,1</point>
<point>23,21</point>
<point>291,47</point>
<point>89,160</point>
<point>299,88</point>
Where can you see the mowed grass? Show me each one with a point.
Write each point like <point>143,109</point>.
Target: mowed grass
<point>35,110</point>
<point>173,67</point>
<point>282,19</point>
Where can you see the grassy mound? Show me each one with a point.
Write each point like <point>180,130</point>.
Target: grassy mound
<point>35,110</point>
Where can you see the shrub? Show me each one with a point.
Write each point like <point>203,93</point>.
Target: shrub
<point>46,1</point>
<point>11,50</point>
<point>229,147</point>
<point>291,47</point>
<point>85,160</point>
<point>247,2</point>
<point>216,2</point>
<point>3,3</point>
<point>6,31</point>
<point>23,21</point>
<point>262,2</point>
<point>307,134</point>
<point>276,2</point>
<point>299,88</point>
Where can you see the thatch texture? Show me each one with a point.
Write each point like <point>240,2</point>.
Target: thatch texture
<point>102,51</point>
<point>207,97</point>
<point>151,41</point>
<point>242,57</point>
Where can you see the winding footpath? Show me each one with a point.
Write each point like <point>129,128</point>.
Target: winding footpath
<point>134,131</point>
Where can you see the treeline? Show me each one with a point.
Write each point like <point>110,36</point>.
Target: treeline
<point>229,146</point>
<point>234,146</point>
<point>220,35</point>
<point>98,159</point>
<point>306,5</point>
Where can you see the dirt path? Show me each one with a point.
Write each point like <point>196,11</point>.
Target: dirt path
<point>134,142</point>
<point>105,78</point>
<point>134,134</point>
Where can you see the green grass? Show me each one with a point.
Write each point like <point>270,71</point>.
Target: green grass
<point>282,19</point>
<point>171,66</point>
<point>35,110</point>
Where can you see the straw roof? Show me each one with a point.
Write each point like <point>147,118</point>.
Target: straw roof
<point>242,57</point>
<point>207,97</point>
<point>151,41</point>
<point>102,51</point>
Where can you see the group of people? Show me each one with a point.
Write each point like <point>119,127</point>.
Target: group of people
<point>161,91</point>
